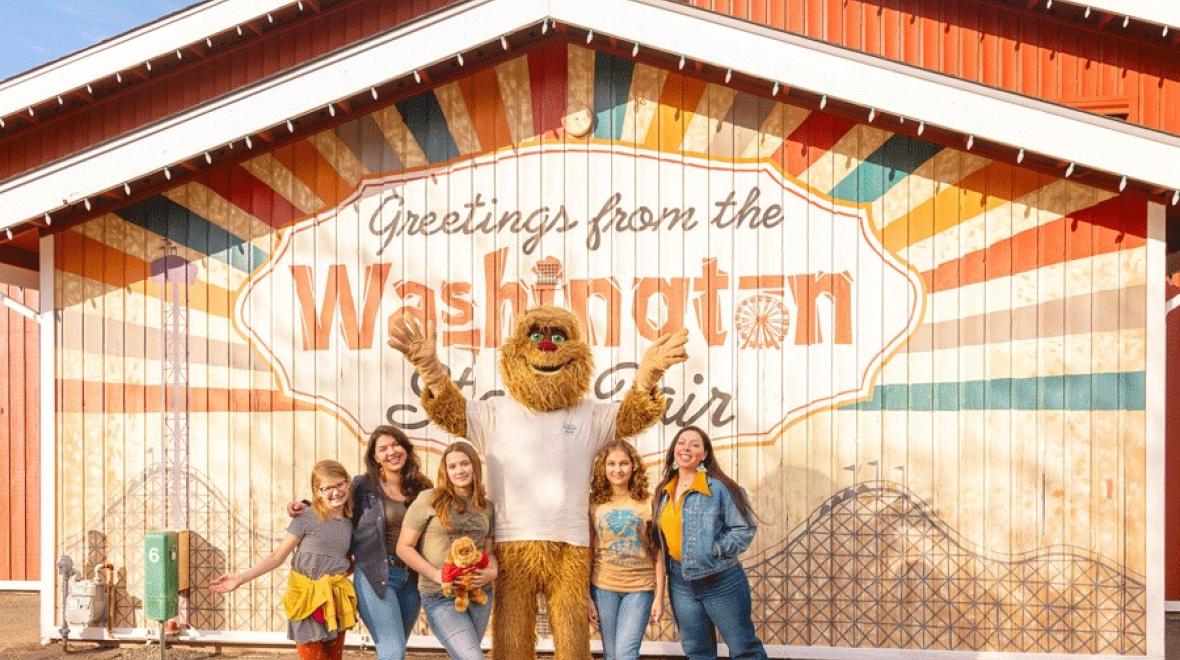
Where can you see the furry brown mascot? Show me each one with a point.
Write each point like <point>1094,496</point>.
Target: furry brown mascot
<point>539,444</point>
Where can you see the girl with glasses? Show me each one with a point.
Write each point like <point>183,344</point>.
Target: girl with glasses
<point>320,602</point>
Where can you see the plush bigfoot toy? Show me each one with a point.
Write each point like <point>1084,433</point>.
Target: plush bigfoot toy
<point>539,444</point>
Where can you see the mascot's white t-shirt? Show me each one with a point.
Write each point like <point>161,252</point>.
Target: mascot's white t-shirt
<point>538,465</point>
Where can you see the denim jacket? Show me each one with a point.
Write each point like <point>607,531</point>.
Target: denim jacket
<point>368,534</point>
<point>712,530</point>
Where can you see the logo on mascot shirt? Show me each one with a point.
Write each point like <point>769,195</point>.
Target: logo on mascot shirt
<point>789,297</point>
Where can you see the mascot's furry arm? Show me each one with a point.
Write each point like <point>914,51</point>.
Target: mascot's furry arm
<point>444,403</point>
<point>644,402</point>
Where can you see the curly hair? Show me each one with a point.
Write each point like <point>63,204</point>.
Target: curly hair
<point>600,488</point>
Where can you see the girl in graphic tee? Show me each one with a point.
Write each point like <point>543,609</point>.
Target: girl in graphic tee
<point>627,576</point>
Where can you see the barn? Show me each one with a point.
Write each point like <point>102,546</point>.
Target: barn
<point>919,247</point>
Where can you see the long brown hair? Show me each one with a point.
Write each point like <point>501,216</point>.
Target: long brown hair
<point>413,480</point>
<point>445,496</point>
<point>600,488</point>
<point>322,472</point>
<point>711,467</point>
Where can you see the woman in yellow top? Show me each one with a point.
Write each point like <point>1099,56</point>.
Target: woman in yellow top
<point>320,602</point>
<point>627,577</point>
<point>705,522</point>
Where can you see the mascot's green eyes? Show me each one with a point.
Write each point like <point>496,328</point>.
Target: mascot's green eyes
<point>537,336</point>
<point>556,338</point>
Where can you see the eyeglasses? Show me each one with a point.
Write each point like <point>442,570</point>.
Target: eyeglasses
<point>339,488</point>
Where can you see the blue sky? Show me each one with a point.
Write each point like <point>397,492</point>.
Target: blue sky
<point>33,32</point>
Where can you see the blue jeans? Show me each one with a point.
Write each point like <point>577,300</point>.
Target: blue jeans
<point>389,619</point>
<point>622,618</point>
<point>721,600</point>
<point>459,632</point>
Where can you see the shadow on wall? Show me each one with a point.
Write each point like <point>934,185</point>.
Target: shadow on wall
<point>874,566</point>
<point>124,604</point>
<point>215,534</point>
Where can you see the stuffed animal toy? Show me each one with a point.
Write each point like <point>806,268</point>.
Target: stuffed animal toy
<point>539,444</point>
<point>463,559</point>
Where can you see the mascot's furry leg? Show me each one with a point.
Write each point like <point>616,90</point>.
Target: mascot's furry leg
<point>566,593</point>
<point>562,573</point>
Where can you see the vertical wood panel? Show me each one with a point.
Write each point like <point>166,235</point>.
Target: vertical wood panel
<point>7,532</point>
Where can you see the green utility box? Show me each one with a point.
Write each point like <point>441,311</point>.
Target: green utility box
<point>161,575</point>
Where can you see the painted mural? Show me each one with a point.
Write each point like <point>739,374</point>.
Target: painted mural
<point>927,367</point>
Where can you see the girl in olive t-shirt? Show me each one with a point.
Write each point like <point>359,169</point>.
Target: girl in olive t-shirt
<point>457,507</point>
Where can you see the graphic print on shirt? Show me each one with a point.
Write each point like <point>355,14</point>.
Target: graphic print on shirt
<point>619,530</point>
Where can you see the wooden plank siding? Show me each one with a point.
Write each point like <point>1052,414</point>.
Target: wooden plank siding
<point>1022,50</point>
<point>20,526</point>
<point>1011,47</point>
<point>212,76</point>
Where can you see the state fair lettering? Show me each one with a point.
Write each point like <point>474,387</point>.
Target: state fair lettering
<point>791,302</point>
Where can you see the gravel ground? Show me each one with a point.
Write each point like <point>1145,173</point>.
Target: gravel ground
<point>19,639</point>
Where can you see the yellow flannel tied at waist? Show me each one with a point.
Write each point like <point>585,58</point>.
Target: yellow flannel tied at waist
<point>333,592</point>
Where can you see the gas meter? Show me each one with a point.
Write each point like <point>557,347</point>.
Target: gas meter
<point>87,600</point>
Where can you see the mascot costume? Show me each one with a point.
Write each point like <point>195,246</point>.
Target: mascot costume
<point>538,444</point>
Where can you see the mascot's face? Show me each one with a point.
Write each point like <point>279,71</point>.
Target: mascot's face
<point>546,364</point>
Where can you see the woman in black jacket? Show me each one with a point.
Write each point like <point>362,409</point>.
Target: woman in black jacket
<point>387,592</point>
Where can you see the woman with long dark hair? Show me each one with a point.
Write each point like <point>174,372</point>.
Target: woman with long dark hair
<point>704,521</point>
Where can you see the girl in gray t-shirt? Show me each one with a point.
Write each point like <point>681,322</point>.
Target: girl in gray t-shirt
<point>320,601</point>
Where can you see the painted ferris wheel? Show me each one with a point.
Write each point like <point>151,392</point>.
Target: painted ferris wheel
<point>762,321</point>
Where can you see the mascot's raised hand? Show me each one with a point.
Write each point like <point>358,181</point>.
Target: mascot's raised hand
<point>419,345</point>
<point>667,351</point>
<point>644,402</point>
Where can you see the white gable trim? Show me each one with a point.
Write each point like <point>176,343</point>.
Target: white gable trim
<point>892,88</point>
<point>129,50</point>
<point>1160,12</point>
